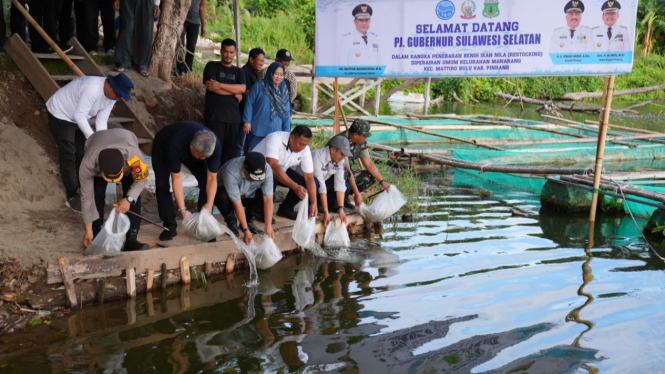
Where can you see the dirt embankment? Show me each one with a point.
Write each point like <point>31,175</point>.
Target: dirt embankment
<point>35,225</point>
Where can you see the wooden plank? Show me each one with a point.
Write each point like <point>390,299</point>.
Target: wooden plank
<point>85,62</point>
<point>101,287</point>
<point>89,267</point>
<point>67,281</point>
<point>150,275</point>
<point>31,67</point>
<point>184,270</point>
<point>131,282</point>
<point>54,56</point>
<point>64,78</point>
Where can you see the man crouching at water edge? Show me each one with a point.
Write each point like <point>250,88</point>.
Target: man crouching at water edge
<point>243,176</point>
<point>196,147</point>
<point>329,176</point>
<point>282,151</point>
<point>360,180</point>
<point>111,156</point>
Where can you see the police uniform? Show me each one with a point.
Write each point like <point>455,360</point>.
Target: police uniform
<point>566,40</point>
<point>356,48</point>
<point>615,38</point>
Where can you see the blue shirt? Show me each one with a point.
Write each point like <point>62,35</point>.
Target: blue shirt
<point>237,186</point>
<point>173,142</point>
<point>257,112</point>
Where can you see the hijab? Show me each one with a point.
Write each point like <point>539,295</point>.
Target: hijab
<point>279,97</point>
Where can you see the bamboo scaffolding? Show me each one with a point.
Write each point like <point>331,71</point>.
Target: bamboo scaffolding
<point>608,90</point>
<point>435,134</point>
<point>642,131</point>
<point>647,137</point>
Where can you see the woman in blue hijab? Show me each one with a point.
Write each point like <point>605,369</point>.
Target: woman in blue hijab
<point>268,107</point>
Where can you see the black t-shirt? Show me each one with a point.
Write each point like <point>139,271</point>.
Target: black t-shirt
<point>173,142</point>
<point>251,76</point>
<point>222,108</point>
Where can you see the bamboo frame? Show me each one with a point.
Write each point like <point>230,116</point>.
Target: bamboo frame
<point>608,90</point>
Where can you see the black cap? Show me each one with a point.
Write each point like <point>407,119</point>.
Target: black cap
<point>111,163</point>
<point>574,6</point>
<point>256,166</point>
<point>362,11</point>
<point>610,6</point>
<point>284,54</point>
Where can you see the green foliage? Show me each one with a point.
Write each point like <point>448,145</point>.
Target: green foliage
<point>659,229</point>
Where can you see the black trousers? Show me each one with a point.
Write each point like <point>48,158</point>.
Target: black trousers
<point>163,191</point>
<point>188,38</point>
<point>46,13</point>
<point>65,23</point>
<point>227,133</point>
<point>292,199</point>
<point>87,26</point>
<point>100,197</point>
<point>3,26</point>
<point>253,206</point>
<point>71,142</point>
<point>17,23</point>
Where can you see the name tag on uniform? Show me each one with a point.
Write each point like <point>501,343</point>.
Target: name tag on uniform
<point>356,43</point>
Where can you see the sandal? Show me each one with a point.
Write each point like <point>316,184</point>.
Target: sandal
<point>144,73</point>
<point>119,69</point>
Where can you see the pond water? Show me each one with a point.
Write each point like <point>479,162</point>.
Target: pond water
<point>468,287</point>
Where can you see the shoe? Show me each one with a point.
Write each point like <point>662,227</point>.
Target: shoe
<point>261,219</point>
<point>349,205</point>
<point>132,243</point>
<point>213,240</point>
<point>74,203</point>
<point>167,235</point>
<point>286,213</point>
<point>232,224</point>
<point>93,53</point>
<point>110,52</point>
<point>66,48</point>
<point>253,229</point>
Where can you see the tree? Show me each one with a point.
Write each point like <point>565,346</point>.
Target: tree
<point>170,27</point>
<point>650,23</point>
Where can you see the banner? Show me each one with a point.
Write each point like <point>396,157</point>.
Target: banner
<point>474,38</point>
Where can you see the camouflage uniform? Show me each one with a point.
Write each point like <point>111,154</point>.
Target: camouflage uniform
<point>362,177</point>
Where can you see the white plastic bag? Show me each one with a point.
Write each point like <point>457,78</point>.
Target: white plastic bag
<point>303,229</point>
<point>267,254</point>
<point>337,237</point>
<point>384,206</point>
<point>110,239</point>
<point>202,225</point>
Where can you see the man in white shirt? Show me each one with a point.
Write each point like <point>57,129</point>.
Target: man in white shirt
<point>69,110</point>
<point>360,46</point>
<point>611,37</point>
<point>329,175</point>
<point>283,151</point>
<point>574,37</point>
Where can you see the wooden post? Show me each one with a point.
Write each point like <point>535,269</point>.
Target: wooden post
<point>315,96</point>
<point>101,289</point>
<point>336,122</point>
<point>131,311</point>
<point>236,18</point>
<point>362,95</point>
<point>208,269</point>
<point>131,282</point>
<point>185,276</point>
<point>150,276</point>
<point>427,88</point>
<point>377,97</point>
<point>165,276</point>
<point>608,91</point>
<point>69,284</point>
<point>150,304</point>
<point>230,263</point>
<point>185,301</point>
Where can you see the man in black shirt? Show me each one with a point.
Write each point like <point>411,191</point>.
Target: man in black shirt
<point>225,84</point>
<point>196,147</point>
<point>257,58</point>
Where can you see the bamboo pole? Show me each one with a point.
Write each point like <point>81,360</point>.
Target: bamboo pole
<point>627,189</point>
<point>341,109</point>
<point>642,131</point>
<point>475,120</point>
<point>48,39</point>
<point>435,134</point>
<point>608,90</point>
<point>337,105</point>
<point>236,23</point>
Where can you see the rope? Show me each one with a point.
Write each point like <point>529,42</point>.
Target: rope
<point>482,167</point>
<point>635,221</point>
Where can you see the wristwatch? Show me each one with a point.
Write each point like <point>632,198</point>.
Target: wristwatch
<point>131,200</point>
<point>245,229</point>
<point>181,209</point>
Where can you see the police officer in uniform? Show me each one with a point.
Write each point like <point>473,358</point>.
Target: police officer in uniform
<point>611,37</point>
<point>573,37</point>
<point>360,47</point>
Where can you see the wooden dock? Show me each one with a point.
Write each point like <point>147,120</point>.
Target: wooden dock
<point>94,278</point>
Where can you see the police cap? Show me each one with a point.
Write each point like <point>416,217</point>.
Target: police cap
<point>362,11</point>
<point>575,6</point>
<point>610,6</point>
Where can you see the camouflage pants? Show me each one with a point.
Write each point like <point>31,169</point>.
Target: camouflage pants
<point>363,180</point>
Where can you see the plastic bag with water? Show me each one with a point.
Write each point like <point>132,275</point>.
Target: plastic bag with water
<point>267,254</point>
<point>384,206</point>
<point>202,225</point>
<point>304,229</point>
<point>337,237</point>
<point>110,239</point>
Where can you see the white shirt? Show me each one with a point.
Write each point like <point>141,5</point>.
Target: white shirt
<point>80,100</point>
<point>620,40</point>
<point>582,40</point>
<point>353,50</point>
<point>275,146</point>
<point>324,168</point>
